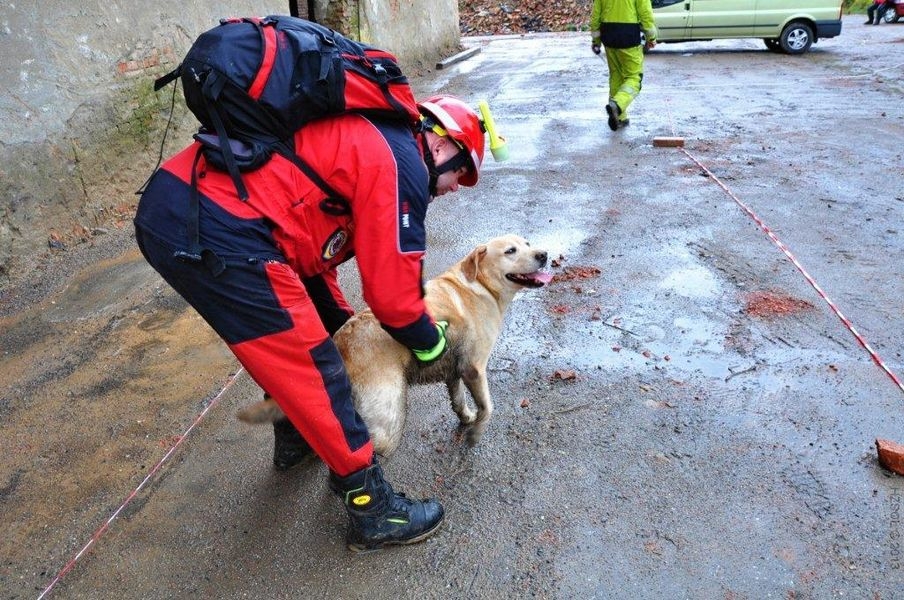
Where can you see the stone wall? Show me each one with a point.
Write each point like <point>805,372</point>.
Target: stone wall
<point>402,26</point>
<point>81,127</point>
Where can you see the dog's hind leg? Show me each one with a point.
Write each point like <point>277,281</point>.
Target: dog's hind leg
<point>383,408</point>
<point>466,414</point>
<point>476,381</point>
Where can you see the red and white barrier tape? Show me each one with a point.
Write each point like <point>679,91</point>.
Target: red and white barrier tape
<point>103,528</point>
<point>847,323</point>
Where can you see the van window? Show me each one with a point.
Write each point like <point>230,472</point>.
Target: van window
<point>661,3</point>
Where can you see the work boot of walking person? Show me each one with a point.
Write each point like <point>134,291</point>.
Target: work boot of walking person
<point>289,448</point>
<point>380,517</point>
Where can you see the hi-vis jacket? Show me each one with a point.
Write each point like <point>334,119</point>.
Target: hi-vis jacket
<point>376,167</point>
<point>618,23</point>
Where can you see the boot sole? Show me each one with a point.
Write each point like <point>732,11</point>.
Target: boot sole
<point>364,549</point>
<point>613,117</point>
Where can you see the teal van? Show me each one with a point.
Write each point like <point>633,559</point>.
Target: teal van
<point>790,26</point>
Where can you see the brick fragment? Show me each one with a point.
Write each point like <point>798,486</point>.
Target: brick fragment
<point>668,142</point>
<point>891,455</point>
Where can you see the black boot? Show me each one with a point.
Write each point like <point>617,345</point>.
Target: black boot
<point>613,112</point>
<point>380,517</point>
<point>289,448</point>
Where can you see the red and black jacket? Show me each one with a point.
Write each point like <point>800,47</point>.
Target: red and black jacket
<point>378,170</point>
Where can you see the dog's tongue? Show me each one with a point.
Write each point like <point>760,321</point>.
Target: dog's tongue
<point>541,277</point>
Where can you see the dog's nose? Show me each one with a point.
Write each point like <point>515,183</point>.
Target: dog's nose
<point>541,257</point>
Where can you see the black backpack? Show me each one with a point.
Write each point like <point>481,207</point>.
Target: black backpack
<point>253,82</point>
<point>256,81</point>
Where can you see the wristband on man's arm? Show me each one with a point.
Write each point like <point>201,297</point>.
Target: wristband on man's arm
<point>432,354</point>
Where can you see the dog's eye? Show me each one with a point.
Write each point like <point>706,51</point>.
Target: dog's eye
<point>511,250</point>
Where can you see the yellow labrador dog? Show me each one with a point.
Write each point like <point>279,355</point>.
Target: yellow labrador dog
<point>472,296</point>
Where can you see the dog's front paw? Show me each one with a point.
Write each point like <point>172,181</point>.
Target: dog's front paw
<point>473,435</point>
<point>467,416</point>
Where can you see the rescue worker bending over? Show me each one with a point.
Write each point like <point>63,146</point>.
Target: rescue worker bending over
<point>277,302</point>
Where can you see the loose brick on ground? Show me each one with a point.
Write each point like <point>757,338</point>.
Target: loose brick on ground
<point>891,455</point>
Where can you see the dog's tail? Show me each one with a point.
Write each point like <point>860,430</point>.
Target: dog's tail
<point>265,411</point>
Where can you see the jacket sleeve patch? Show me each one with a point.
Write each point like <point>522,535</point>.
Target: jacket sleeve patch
<point>412,233</point>
<point>412,185</point>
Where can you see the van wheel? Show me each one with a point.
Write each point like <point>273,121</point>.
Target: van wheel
<point>773,44</point>
<point>796,38</point>
<point>890,16</point>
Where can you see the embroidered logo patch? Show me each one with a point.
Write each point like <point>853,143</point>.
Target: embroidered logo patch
<point>405,210</point>
<point>334,244</point>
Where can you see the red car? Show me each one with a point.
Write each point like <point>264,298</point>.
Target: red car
<point>894,12</point>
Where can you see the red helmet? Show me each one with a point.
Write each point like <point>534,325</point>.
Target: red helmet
<point>463,125</point>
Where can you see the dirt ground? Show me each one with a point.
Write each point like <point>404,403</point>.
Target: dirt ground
<point>679,413</point>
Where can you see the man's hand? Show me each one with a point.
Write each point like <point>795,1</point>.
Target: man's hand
<point>650,44</point>
<point>431,355</point>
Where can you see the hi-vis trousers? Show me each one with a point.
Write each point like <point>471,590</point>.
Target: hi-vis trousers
<point>625,76</point>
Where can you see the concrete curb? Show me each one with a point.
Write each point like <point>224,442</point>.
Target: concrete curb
<point>464,54</point>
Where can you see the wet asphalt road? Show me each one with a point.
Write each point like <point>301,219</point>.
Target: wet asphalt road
<point>679,415</point>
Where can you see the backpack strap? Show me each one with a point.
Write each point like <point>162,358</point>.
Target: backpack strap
<point>334,204</point>
<point>382,76</point>
<point>267,29</point>
<point>195,253</point>
<point>164,80</point>
<point>213,85</point>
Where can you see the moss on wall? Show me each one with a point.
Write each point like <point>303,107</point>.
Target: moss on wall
<point>84,183</point>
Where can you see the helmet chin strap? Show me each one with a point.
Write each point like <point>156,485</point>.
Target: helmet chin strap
<point>454,163</point>
<point>431,165</point>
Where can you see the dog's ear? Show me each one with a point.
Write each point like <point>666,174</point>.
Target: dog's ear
<point>471,265</point>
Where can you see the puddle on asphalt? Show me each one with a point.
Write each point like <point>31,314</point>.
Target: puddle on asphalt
<point>693,282</point>
<point>689,344</point>
<point>698,344</point>
<point>684,345</point>
<point>695,345</point>
<point>520,138</point>
<point>684,348</point>
<point>558,241</point>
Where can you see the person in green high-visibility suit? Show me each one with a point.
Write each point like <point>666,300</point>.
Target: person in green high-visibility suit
<point>616,25</point>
